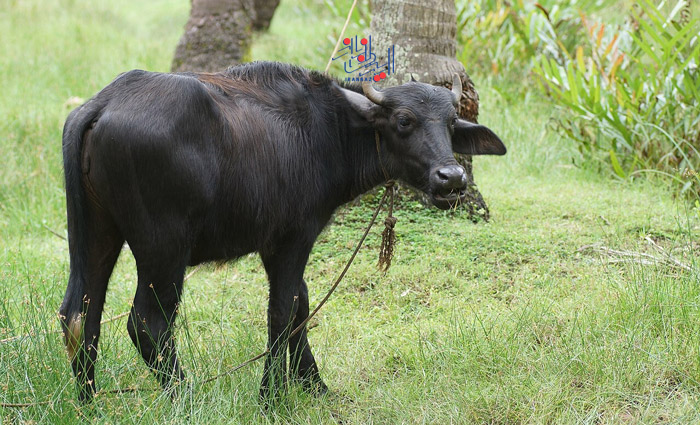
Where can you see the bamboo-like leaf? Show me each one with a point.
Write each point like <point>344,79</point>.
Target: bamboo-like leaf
<point>573,84</point>
<point>679,42</point>
<point>645,48</point>
<point>584,21</point>
<point>653,33</point>
<point>616,64</point>
<point>596,91</point>
<point>639,92</point>
<point>579,59</point>
<point>619,98</point>
<point>610,45</point>
<point>600,36</point>
<point>613,118</point>
<point>616,165</point>
<point>548,77</point>
<point>693,86</point>
<point>695,54</point>
<point>651,10</point>
<point>563,49</point>
<point>555,73</point>
<point>543,69</point>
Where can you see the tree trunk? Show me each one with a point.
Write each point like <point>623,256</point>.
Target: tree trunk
<point>264,10</point>
<point>424,35</point>
<point>217,35</point>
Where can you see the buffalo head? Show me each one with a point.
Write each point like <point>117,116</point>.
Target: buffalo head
<point>420,130</point>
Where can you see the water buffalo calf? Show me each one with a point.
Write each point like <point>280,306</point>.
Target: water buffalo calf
<point>196,167</point>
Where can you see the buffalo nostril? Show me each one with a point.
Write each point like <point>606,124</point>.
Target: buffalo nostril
<point>451,177</point>
<point>443,176</point>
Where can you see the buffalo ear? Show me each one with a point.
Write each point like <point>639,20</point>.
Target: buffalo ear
<point>359,103</point>
<point>475,139</point>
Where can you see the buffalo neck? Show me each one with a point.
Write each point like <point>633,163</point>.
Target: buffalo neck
<point>363,166</point>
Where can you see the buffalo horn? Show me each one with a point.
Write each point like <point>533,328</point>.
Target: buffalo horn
<point>372,94</point>
<point>456,89</point>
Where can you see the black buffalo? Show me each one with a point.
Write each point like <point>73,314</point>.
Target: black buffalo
<point>189,168</point>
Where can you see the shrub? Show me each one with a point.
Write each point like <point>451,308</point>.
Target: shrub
<point>631,94</point>
<point>502,37</point>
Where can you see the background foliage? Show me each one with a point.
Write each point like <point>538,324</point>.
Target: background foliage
<point>627,89</point>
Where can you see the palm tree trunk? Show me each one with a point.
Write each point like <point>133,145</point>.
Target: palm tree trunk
<point>264,10</point>
<point>217,35</point>
<point>424,35</point>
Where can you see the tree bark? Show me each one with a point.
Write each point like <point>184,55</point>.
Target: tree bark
<point>424,34</point>
<point>217,35</point>
<point>264,11</point>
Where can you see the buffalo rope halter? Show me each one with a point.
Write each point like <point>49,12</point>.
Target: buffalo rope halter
<point>386,250</point>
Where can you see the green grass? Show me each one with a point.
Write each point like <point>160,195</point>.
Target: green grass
<point>501,322</point>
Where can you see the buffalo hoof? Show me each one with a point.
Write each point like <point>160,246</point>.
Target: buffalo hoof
<point>272,391</point>
<point>270,396</point>
<point>86,394</point>
<point>314,386</point>
<point>310,381</point>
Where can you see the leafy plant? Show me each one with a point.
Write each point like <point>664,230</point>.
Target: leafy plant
<point>339,9</point>
<point>502,37</point>
<point>632,93</point>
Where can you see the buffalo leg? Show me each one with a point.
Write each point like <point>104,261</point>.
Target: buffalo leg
<point>285,270</point>
<point>81,311</point>
<point>301,362</point>
<point>153,315</point>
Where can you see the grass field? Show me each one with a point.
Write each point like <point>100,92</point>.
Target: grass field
<point>520,320</point>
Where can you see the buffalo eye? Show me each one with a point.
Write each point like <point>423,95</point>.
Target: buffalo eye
<point>452,123</point>
<point>404,122</point>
